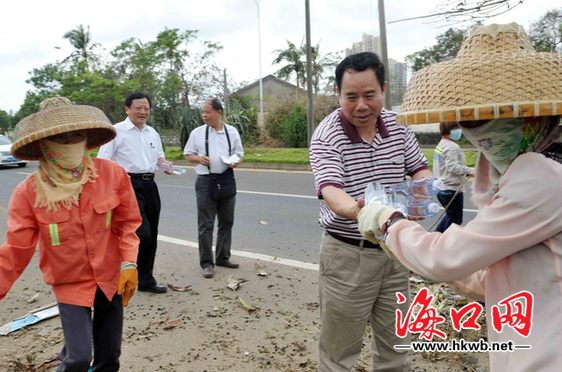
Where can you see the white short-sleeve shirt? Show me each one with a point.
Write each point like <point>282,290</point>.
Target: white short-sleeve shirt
<point>218,146</point>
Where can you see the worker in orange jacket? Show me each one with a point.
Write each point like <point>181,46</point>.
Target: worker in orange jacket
<point>84,213</point>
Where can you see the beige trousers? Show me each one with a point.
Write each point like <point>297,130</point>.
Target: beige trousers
<point>359,285</point>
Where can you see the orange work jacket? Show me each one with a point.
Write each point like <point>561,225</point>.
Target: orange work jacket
<point>79,249</point>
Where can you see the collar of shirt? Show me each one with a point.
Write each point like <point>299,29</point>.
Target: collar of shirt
<point>130,125</point>
<point>217,131</point>
<point>351,132</point>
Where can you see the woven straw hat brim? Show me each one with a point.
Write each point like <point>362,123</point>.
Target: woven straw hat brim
<point>59,120</point>
<point>492,77</point>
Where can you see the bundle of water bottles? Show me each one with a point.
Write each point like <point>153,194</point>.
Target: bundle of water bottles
<point>414,198</point>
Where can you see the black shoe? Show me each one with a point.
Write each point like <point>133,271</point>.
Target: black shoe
<point>208,272</point>
<point>155,288</point>
<point>228,263</point>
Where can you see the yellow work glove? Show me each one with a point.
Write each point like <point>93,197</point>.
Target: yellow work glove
<point>128,281</point>
<point>371,219</point>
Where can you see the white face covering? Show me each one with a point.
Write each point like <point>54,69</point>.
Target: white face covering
<point>501,140</point>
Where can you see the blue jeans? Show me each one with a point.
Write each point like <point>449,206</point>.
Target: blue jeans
<point>454,213</point>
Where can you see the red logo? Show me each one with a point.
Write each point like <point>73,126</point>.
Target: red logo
<point>423,319</point>
<point>518,314</point>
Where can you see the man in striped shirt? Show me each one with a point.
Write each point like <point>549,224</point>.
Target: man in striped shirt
<point>353,146</point>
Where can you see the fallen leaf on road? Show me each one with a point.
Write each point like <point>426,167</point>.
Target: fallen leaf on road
<point>172,323</point>
<point>249,308</point>
<point>179,289</point>
<point>234,284</point>
<point>312,305</point>
<point>33,298</point>
<point>300,345</point>
<point>260,269</point>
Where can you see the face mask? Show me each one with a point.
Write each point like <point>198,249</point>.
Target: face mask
<point>501,140</point>
<point>455,134</point>
<point>66,158</point>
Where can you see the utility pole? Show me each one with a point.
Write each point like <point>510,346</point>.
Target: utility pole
<point>226,96</point>
<point>384,52</point>
<point>260,118</point>
<point>310,98</point>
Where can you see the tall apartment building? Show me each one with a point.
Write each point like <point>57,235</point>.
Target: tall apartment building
<point>368,43</point>
<point>397,75</point>
<point>396,71</point>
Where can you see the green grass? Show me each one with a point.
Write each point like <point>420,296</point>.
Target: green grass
<point>257,155</point>
<point>270,155</point>
<point>276,155</point>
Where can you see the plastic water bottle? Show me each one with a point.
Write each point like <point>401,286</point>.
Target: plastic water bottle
<point>166,167</point>
<point>411,197</point>
<point>423,187</point>
<point>178,171</point>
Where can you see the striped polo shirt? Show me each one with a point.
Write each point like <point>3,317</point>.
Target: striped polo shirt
<point>339,157</point>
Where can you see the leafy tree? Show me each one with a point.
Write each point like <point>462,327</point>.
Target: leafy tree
<point>294,127</point>
<point>319,65</point>
<point>5,121</point>
<point>447,47</point>
<point>81,41</point>
<point>546,33</point>
<point>294,64</point>
<point>244,117</point>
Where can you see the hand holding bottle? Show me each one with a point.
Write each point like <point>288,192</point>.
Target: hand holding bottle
<point>411,197</point>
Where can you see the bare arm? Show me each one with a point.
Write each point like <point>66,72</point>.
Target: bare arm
<point>341,203</point>
<point>196,159</point>
<point>424,173</point>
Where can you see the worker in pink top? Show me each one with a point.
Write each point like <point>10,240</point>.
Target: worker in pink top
<point>508,100</point>
<point>84,214</point>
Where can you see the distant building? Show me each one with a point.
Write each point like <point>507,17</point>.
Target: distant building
<point>368,43</point>
<point>396,71</point>
<point>274,89</point>
<point>397,75</point>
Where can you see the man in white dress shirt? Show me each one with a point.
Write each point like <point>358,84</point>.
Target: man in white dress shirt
<point>138,148</point>
<point>216,148</point>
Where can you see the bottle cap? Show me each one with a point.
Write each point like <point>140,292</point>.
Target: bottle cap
<point>438,184</point>
<point>433,208</point>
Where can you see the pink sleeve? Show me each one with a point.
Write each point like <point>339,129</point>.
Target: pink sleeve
<point>473,286</point>
<point>523,213</point>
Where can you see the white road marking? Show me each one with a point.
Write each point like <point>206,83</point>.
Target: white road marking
<point>277,194</point>
<point>245,254</point>
<point>250,192</point>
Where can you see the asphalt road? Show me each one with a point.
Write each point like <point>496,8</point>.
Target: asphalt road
<point>276,211</point>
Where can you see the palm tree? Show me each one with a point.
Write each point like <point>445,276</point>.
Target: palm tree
<point>319,64</point>
<point>293,56</point>
<point>80,40</point>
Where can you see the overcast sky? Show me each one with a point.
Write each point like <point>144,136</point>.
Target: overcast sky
<point>31,29</point>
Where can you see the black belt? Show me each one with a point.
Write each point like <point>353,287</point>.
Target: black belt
<point>142,176</point>
<point>362,243</point>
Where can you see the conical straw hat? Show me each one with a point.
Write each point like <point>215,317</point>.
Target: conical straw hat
<point>58,115</point>
<point>496,74</point>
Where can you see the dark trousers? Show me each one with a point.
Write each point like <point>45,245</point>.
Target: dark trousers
<point>148,198</point>
<point>79,330</point>
<point>207,210</point>
<point>454,213</point>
